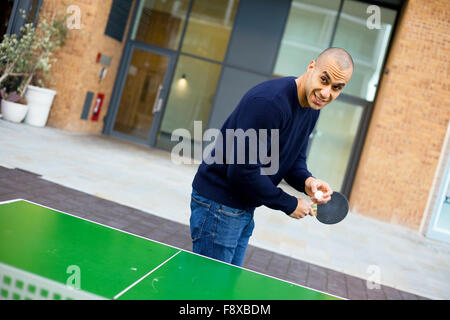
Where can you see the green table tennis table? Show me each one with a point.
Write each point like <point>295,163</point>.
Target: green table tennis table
<point>49,254</point>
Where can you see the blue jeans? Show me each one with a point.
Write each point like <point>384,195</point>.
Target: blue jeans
<point>219,231</point>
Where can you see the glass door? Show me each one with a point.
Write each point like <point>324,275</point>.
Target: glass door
<point>142,94</point>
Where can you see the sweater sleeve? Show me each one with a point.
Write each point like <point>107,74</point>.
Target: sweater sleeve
<point>246,178</point>
<point>298,173</point>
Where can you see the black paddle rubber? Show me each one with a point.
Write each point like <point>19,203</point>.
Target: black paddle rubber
<point>333,211</point>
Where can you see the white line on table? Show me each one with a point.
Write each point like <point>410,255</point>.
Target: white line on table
<point>135,283</point>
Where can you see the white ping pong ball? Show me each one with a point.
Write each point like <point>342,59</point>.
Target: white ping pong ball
<point>318,195</point>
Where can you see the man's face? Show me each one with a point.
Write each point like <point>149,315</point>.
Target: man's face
<point>325,83</point>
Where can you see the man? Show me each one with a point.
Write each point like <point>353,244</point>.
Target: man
<point>226,193</point>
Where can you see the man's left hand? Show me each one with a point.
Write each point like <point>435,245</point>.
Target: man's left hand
<point>312,185</point>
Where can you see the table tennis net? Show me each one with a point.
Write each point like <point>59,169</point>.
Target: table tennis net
<point>16,284</point>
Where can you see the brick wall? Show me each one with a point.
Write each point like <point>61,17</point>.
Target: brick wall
<point>76,71</point>
<point>410,119</point>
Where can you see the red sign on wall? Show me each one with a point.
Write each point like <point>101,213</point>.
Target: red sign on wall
<point>98,106</point>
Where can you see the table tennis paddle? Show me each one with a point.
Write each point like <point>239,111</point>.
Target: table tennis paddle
<point>333,211</point>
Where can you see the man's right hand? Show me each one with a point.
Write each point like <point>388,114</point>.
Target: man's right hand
<point>303,209</point>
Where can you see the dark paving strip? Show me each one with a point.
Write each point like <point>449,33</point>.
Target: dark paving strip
<point>21,184</point>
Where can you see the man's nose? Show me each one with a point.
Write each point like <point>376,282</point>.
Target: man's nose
<point>325,93</point>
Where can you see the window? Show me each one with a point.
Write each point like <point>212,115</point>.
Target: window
<point>209,28</point>
<point>368,47</point>
<point>191,96</point>
<point>331,147</point>
<point>308,32</point>
<point>16,21</point>
<point>312,26</point>
<point>161,22</point>
<point>118,18</point>
<point>203,49</point>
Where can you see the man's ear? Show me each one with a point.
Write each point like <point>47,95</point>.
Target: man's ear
<point>312,65</point>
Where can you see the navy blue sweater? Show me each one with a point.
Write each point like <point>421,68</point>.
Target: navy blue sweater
<point>270,105</point>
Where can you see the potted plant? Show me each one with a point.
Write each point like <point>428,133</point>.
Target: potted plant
<point>14,107</point>
<point>15,56</point>
<point>50,36</point>
<point>28,60</point>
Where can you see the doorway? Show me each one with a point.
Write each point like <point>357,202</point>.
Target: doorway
<point>143,95</point>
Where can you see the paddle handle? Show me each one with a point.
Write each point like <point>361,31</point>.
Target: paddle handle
<point>314,207</point>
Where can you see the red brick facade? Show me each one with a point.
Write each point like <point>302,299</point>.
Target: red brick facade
<point>410,119</point>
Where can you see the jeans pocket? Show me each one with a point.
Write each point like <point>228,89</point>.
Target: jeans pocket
<point>201,203</point>
<point>197,221</point>
<point>229,226</point>
<point>229,211</point>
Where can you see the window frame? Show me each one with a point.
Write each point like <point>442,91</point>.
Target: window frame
<point>16,21</point>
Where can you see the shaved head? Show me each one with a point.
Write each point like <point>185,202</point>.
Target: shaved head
<point>338,55</point>
<point>325,78</point>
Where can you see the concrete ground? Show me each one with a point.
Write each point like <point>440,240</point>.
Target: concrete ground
<point>141,190</point>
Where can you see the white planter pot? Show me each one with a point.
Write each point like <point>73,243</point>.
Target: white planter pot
<point>40,101</point>
<point>14,112</point>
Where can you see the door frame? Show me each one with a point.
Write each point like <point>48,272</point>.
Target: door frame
<point>116,97</point>
<point>130,45</point>
<point>437,195</point>
<point>433,232</point>
<point>16,21</point>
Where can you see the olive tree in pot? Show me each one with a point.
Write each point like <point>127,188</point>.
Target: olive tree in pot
<point>15,54</point>
<point>33,66</point>
<point>50,36</point>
